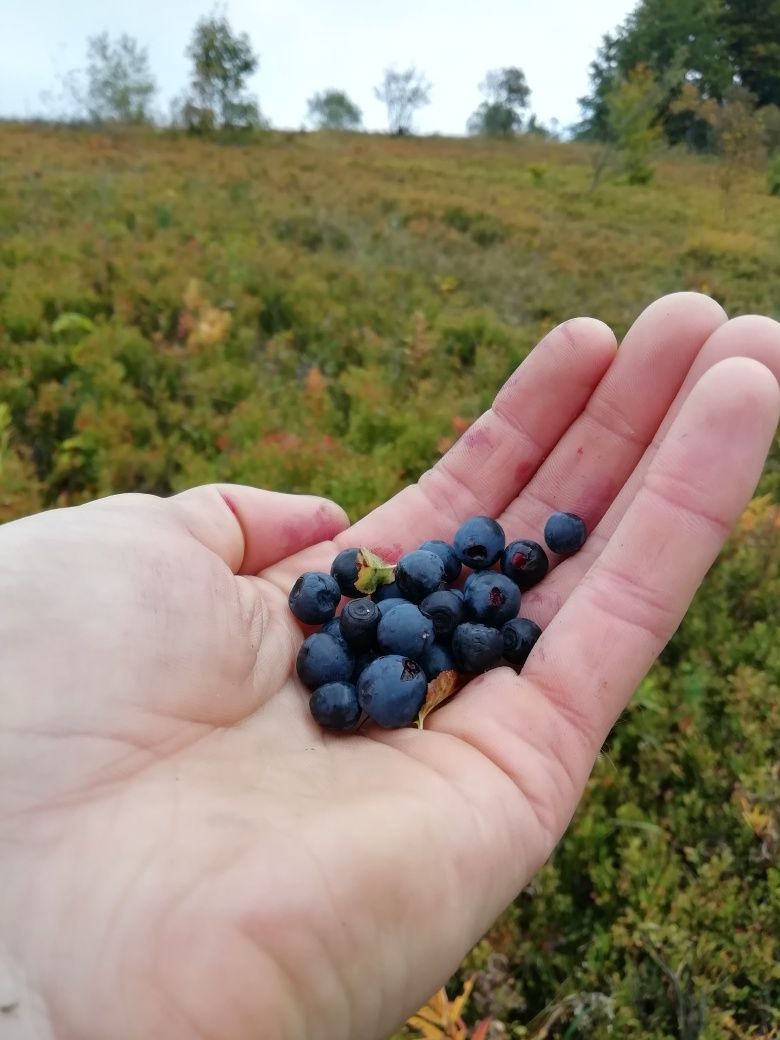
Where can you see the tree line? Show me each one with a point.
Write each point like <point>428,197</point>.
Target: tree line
<point>702,74</point>
<point>698,74</point>
<point>118,86</point>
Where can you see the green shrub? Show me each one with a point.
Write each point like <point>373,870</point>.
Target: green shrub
<point>329,319</point>
<point>773,174</point>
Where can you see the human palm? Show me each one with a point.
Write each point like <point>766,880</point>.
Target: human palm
<point>184,853</point>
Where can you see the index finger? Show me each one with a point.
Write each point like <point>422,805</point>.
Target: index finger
<point>501,451</point>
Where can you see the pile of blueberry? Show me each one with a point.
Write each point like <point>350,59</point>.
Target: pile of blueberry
<point>408,637</point>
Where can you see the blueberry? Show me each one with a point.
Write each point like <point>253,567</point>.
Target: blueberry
<point>363,660</point>
<point>314,597</point>
<point>345,570</point>
<point>332,628</point>
<point>445,609</point>
<point>525,563</point>
<point>335,705</point>
<point>479,542</point>
<point>389,591</point>
<point>492,599</point>
<point>391,690</point>
<point>476,647</point>
<point>418,574</point>
<point>386,605</point>
<point>519,636</point>
<point>565,533</point>
<point>323,659</point>
<point>358,622</point>
<point>437,659</point>
<point>405,631</point>
<point>447,555</point>
<point>470,581</point>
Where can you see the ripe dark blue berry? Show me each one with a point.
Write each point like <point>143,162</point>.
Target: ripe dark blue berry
<point>492,599</point>
<point>476,647</point>
<point>345,570</point>
<point>418,574</point>
<point>565,533</point>
<point>323,659</point>
<point>332,628</point>
<point>470,581</point>
<point>358,623</point>
<point>447,555</point>
<point>391,690</point>
<point>445,609</point>
<point>386,647</point>
<point>363,661</point>
<point>314,597</point>
<point>519,636</point>
<point>335,705</point>
<point>388,591</point>
<point>386,605</point>
<point>479,542</point>
<point>437,659</point>
<point>405,631</point>
<point>525,563</point>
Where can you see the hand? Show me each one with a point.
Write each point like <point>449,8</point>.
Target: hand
<point>183,853</point>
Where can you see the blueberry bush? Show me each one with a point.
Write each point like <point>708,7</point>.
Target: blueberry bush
<point>327,313</point>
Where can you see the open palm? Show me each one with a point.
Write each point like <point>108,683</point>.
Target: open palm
<point>184,854</point>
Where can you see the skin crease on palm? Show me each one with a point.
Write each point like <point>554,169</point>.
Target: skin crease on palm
<point>184,854</point>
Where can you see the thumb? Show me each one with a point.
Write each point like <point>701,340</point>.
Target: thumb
<point>250,528</point>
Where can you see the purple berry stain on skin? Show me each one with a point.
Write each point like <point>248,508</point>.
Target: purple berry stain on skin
<point>596,500</point>
<point>229,503</point>
<point>523,472</point>
<point>475,437</point>
<point>295,534</point>
<point>391,553</point>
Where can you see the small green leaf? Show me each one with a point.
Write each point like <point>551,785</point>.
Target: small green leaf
<point>373,571</point>
<point>72,322</point>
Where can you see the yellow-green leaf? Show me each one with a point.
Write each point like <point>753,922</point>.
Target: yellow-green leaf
<point>72,322</point>
<point>372,571</point>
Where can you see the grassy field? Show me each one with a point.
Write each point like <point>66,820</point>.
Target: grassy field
<point>327,313</point>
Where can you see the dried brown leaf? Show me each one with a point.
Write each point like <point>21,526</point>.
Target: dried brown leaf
<point>440,689</point>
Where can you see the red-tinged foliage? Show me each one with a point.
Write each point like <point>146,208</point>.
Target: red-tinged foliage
<point>325,314</point>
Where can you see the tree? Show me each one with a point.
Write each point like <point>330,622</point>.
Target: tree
<point>117,85</point>
<point>537,128</point>
<point>678,41</point>
<point>770,122</point>
<point>739,129</point>
<point>713,44</point>
<point>506,99</point>
<point>222,63</point>
<point>403,93</point>
<point>333,110</point>
<point>752,38</point>
<point>632,121</point>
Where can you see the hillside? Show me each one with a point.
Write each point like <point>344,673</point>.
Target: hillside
<point>327,313</point>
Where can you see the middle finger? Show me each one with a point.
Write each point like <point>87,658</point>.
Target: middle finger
<point>597,454</point>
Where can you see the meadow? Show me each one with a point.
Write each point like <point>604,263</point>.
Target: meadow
<point>327,313</point>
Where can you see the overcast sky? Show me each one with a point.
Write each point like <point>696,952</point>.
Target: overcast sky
<point>307,45</point>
